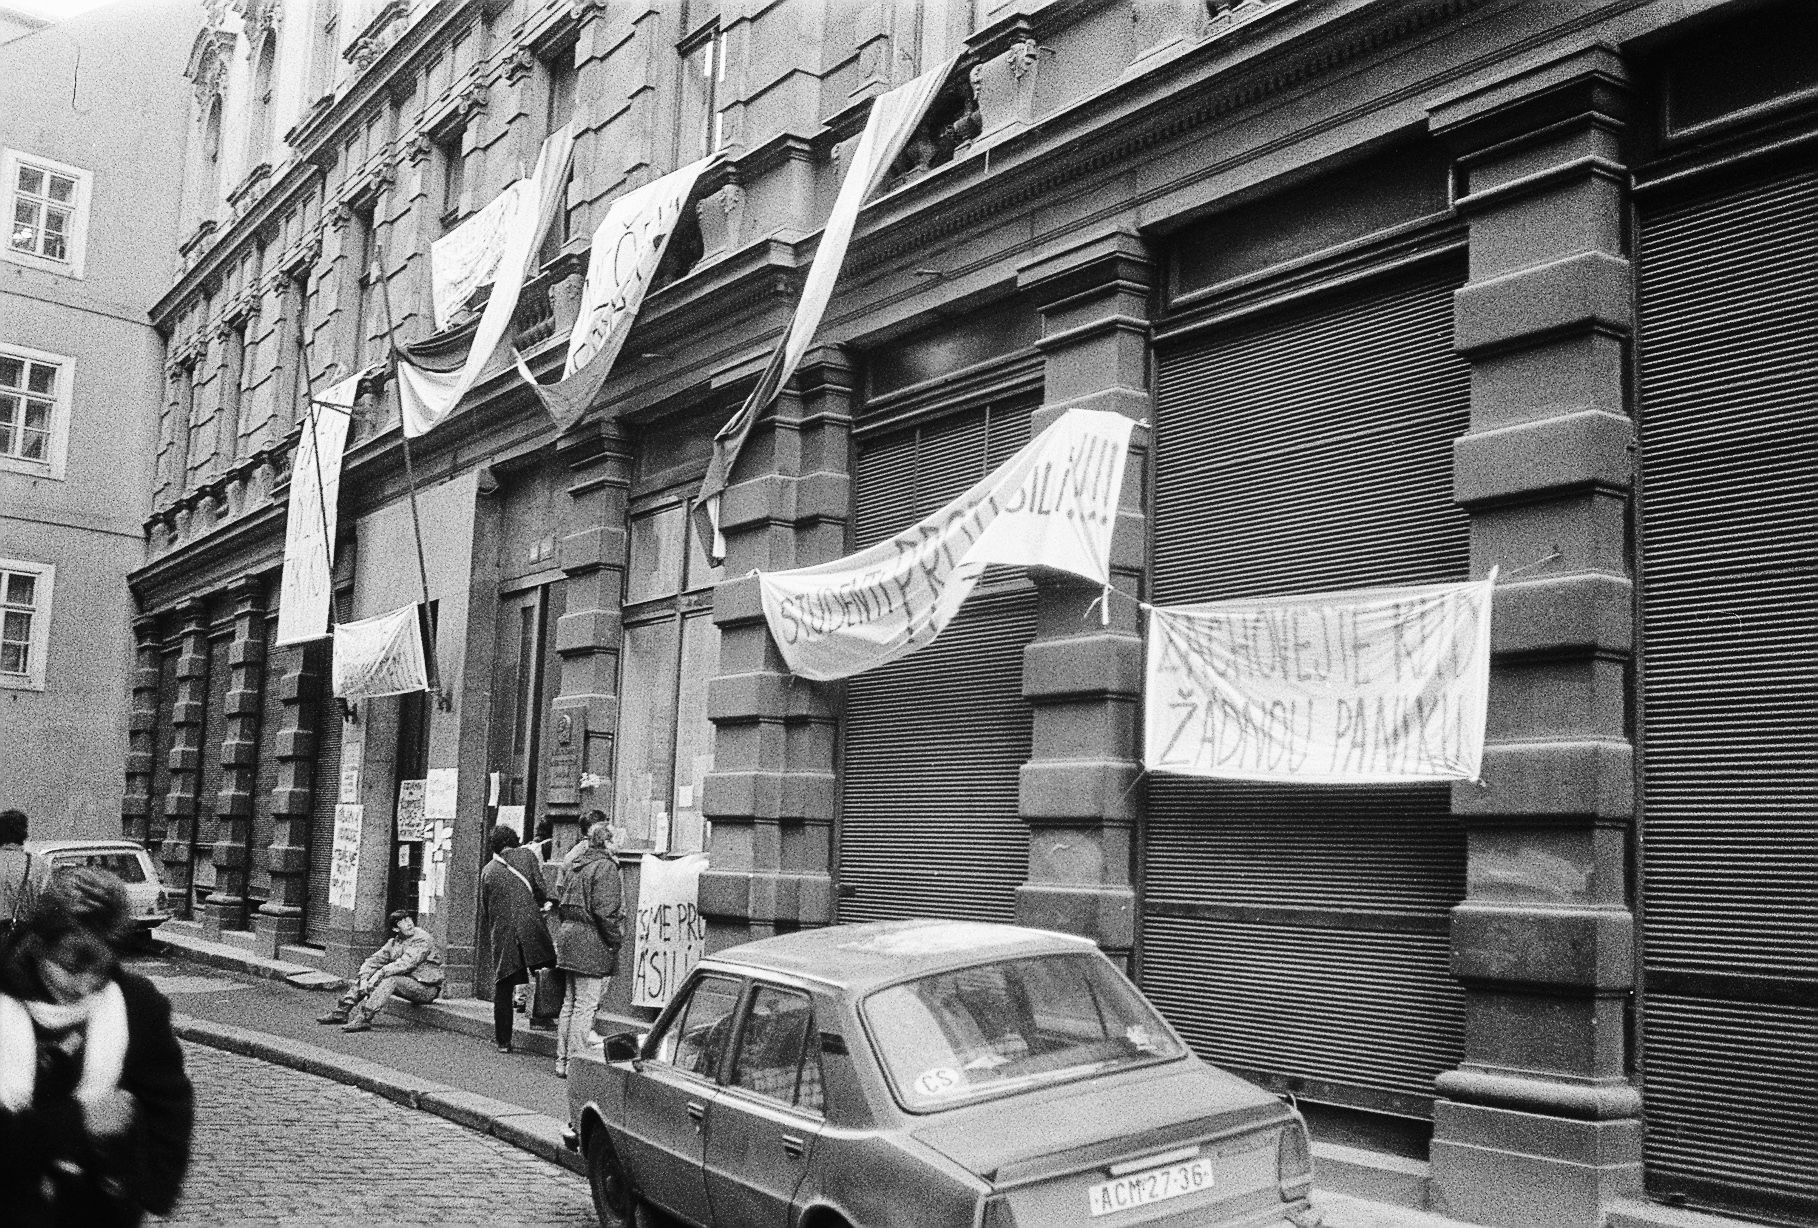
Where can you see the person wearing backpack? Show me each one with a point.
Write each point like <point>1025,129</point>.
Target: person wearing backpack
<point>590,923</point>
<point>22,876</point>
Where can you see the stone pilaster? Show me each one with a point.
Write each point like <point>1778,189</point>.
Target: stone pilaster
<point>589,634</point>
<point>1083,674</point>
<point>1540,1124</point>
<point>297,672</point>
<point>226,905</point>
<point>142,730</point>
<point>772,794</point>
<point>187,718</point>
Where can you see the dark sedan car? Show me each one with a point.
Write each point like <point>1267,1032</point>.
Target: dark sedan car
<point>927,1074</point>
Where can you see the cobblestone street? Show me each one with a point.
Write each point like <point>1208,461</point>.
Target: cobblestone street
<point>275,1147</point>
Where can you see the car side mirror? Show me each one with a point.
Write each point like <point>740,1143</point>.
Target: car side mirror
<point>622,1046</point>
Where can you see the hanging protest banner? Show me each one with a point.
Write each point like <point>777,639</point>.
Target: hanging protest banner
<point>468,256</point>
<point>344,856</point>
<point>412,815</point>
<point>306,587</point>
<point>671,932</point>
<point>1372,686</point>
<point>426,396</point>
<point>888,127</point>
<point>627,247</point>
<point>383,655</point>
<point>1053,504</point>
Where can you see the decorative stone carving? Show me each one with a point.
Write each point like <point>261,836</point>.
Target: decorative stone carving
<point>363,51</point>
<point>722,217</point>
<point>473,100</point>
<point>418,147</point>
<point>519,65</point>
<point>378,36</point>
<point>1004,88</point>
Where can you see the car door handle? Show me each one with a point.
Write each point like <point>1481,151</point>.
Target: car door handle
<point>793,1146</point>
<point>697,1112</point>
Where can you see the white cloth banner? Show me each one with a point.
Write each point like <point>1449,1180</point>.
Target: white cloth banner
<point>306,587</point>
<point>467,257</point>
<point>671,932</point>
<point>888,127</point>
<point>382,655</point>
<point>428,396</point>
<point>627,247</point>
<point>1372,686</point>
<point>1053,504</point>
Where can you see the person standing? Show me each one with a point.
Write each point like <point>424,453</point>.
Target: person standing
<point>96,1111</point>
<point>590,927</point>
<point>512,900</point>
<point>22,876</point>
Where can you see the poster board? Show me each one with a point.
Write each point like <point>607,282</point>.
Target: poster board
<point>671,933</point>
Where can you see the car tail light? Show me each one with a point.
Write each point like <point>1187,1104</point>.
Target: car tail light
<point>1294,1161</point>
<point>998,1214</point>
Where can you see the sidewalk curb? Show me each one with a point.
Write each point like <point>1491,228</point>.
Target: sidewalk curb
<point>525,1129</point>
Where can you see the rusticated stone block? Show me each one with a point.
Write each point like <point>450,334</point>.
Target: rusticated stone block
<point>1586,448</point>
<point>1589,778</point>
<point>1568,948</point>
<point>1588,290</point>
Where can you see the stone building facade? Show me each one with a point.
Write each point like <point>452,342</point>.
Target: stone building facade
<point>1397,291</point>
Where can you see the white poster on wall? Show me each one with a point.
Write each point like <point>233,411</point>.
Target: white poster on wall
<point>1053,504</point>
<point>440,789</point>
<point>671,934</point>
<point>306,586</point>
<point>1372,686</point>
<point>344,858</point>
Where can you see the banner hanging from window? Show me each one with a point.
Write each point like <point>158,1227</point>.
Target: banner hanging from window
<point>468,256</point>
<point>426,396</point>
<point>383,655</point>
<point>627,248</point>
<point>888,127</point>
<point>1053,504</point>
<point>1372,686</point>
<point>306,588</point>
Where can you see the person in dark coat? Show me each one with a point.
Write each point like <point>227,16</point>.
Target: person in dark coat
<point>590,928</point>
<point>96,1111</point>
<point>512,900</point>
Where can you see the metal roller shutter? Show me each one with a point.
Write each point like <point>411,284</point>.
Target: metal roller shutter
<point>1301,935</point>
<point>934,743</point>
<point>325,792</point>
<point>1729,736</point>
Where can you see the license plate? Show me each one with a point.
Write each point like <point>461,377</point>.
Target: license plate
<point>1154,1185</point>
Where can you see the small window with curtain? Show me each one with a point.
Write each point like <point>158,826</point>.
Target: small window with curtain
<point>25,610</point>
<point>47,213</point>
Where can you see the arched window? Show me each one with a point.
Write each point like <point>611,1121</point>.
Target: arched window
<point>260,137</point>
<point>211,150</point>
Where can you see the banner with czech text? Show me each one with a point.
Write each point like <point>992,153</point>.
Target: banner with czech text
<point>468,256</point>
<point>627,247</point>
<point>1373,686</point>
<point>1053,504</point>
<point>306,586</point>
<point>426,397</point>
<point>382,655</point>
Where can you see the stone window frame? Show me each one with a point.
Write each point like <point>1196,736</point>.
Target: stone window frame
<point>710,35</point>
<point>62,398</point>
<point>38,616</point>
<point>74,262</point>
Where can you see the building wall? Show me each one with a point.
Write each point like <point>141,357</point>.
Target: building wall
<point>1104,189</point>
<point>83,512</point>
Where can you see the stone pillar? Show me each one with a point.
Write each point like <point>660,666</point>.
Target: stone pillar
<point>142,730</point>
<point>589,633</point>
<point>1540,1124</point>
<point>1084,675</point>
<point>226,906</point>
<point>772,794</point>
<point>298,673</point>
<point>186,718</point>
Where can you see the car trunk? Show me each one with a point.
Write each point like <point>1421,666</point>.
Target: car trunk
<point>1046,1152</point>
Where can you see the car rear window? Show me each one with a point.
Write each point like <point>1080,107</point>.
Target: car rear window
<point>1000,1026</point>
<point>125,864</point>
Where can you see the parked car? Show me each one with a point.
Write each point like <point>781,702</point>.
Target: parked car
<point>145,890</point>
<point>927,1074</point>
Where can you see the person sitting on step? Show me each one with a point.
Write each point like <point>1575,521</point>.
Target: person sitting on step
<point>409,965</point>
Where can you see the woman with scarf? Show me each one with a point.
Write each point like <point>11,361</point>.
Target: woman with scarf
<point>512,899</point>
<point>95,1108</point>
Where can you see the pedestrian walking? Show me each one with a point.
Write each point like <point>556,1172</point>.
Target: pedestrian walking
<point>409,966</point>
<point>590,924</point>
<point>95,1108</point>
<point>22,875</point>
<point>512,900</point>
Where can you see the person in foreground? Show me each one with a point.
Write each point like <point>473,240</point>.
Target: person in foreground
<point>408,965</point>
<point>95,1108</point>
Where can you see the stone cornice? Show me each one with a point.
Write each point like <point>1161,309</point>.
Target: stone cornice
<point>289,187</point>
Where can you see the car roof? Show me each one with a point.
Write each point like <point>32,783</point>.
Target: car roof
<point>74,844</point>
<point>862,957</point>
